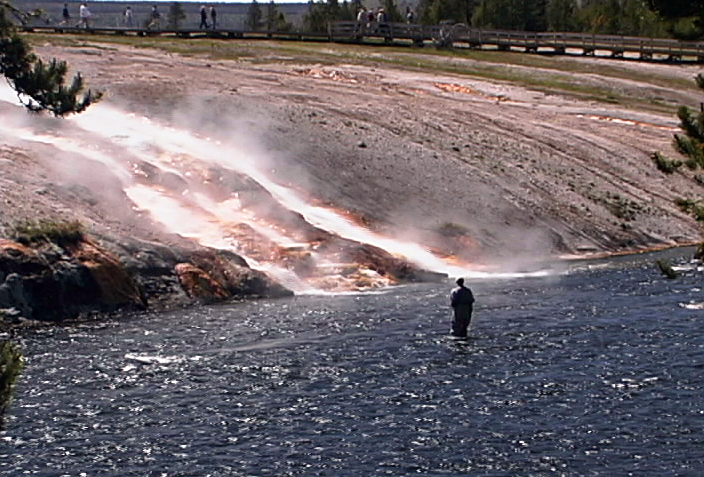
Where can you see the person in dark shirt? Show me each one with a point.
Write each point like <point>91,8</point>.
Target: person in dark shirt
<point>203,18</point>
<point>155,17</point>
<point>66,15</point>
<point>462,302</point>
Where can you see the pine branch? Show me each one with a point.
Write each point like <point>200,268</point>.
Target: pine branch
<point>39,86</point>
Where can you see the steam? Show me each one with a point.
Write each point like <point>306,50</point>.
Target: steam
<point>119,140</point>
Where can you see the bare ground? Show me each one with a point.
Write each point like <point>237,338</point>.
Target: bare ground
<point>523,171</point>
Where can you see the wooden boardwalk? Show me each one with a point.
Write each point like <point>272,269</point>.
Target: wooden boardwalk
<point>459,36</point>
<point>180,33</point>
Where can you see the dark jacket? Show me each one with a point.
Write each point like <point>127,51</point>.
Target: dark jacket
<point>461,296</point>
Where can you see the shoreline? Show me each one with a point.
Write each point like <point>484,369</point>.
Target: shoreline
<point>529,177</point>
<point>625,253</point>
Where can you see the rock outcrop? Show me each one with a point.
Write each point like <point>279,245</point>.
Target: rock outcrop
<point>48,282</point>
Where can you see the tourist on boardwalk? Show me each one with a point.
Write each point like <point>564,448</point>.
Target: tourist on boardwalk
<point>382,26</point>
<point>213,16</point>
<point>155,16</point>
<point>362,18</point>
<point>84,15</point>
<point>128,16</point>
<point>462,301</point>
<point>203,18</point>
<point>410,16</point>
<point>66,15</point>
<point>381,16</point>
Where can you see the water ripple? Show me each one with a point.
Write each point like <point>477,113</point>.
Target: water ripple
<point>598,372</point>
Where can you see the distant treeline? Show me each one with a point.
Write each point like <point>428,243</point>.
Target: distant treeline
<point>681,19</point>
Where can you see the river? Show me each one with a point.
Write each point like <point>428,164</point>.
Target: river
<point>595,370</point>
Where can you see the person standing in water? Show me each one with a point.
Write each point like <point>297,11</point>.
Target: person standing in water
<point>462,302</point>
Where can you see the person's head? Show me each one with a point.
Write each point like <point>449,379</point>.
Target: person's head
<point>460,281</point>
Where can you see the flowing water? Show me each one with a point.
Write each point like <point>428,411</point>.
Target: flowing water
<point>595,371</point>
<point>217,191</point>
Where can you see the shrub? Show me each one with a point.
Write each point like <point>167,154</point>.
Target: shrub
<point>666,269</point>
<point>10,368</point>
<point>449,229</point>
<point>699,252</point>
<point>60,233</point>
<point>664,164</point>
<point>691,207</point>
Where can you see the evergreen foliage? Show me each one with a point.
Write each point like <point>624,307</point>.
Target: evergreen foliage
<point>559,15</point>
<point>664,164</point>
<point>677,8</point>
<point>320,14</point>
<point>10,368</point>
<point>175,16</point>
<point>40,86</point>
<point>392,13</point>
<point>254,16</point>
<point>618,17</point>
<point>690,144</point>
<point>275,20</point>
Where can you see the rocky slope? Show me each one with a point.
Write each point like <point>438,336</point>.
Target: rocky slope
<point>488,171</point>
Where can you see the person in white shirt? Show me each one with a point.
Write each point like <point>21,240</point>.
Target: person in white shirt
<point>84,15</point>
<point>128,16</point>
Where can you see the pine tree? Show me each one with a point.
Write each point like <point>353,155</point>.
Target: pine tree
<point>175,16</point>
<point>254,16</point>
<point>392,13</point>
<point>271,16</point>
<point>560,15</point>
<point>690,145</point>
<point>320,14</point>
<point>275,20</point>
<point>437,11</point>
<point>40,86</point>
<point>537,20</point>
<point>347,12</point>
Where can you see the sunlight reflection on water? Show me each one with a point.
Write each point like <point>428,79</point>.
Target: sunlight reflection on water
<point>595,372</point>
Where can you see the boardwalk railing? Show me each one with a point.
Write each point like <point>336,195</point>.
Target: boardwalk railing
<point>548,42</point>
<point>180,32</point>
<point>458,35</point>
